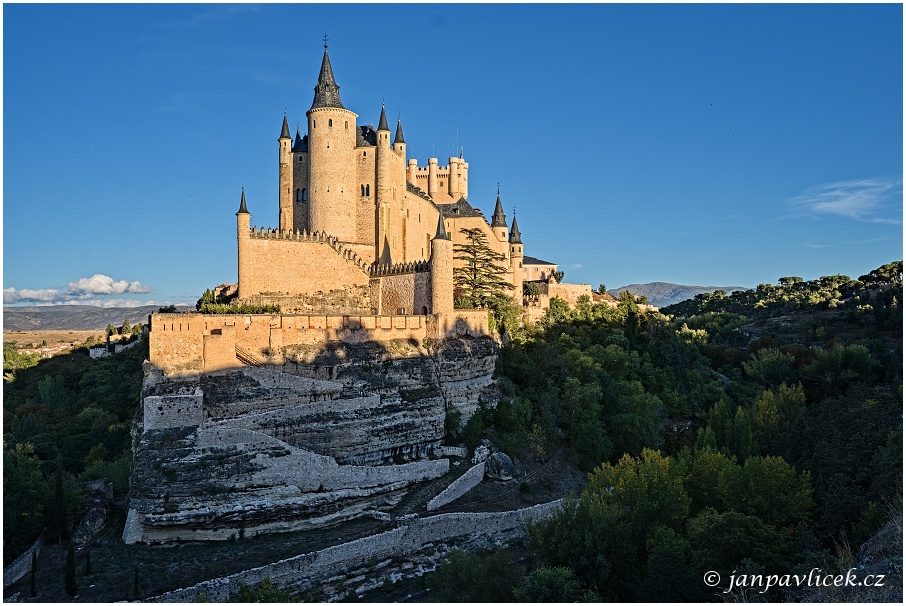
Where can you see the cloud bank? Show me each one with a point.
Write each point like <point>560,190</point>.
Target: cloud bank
<point>84,291</point>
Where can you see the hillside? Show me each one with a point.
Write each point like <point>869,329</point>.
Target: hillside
<point>73,317</point>
<point>661,294</point>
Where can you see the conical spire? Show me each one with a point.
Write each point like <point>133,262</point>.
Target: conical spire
<point>284,134</point>
<point>441,229</point>
<point>242,209</point>
<point>327,92</point>
<point>498,219</point>
<point>399,131</point>
<point>298,144</point>
<point>515,236</point>
<point>382,125</point>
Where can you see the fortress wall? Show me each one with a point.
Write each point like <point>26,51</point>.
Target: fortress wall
<point>291,266</point>
<point>568,292</point>
<point>459,487</point>
<point>420,227</point>
<point>180,343</point>
<point>307,570</point>
<point>404,293</point>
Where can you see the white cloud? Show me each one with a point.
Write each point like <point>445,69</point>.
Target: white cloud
<point>99,284</point>
<point>877,200</point>
<point>83,291</point>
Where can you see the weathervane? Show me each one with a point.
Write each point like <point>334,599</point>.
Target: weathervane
<point>325,41</point>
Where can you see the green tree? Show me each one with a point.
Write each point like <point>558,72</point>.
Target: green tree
<point>557,276</point>
<point>478,280</point>
<point>265,592</point>
<point>34,572</point>
<point>24,495</point>
<point>558,584</point>
<point>483,576</point>
<point>602,289</point>
<point>126,328</point>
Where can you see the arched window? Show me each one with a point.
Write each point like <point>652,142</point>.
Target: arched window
<point>314,123</point>
<point>346,125</point>
<point>330,123</point>
<point>304,195</point>
<point>298,195</point>
<point>363,189</point>
<point>368,190</point>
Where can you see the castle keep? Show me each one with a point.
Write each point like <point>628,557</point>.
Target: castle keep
<point>362,229</point>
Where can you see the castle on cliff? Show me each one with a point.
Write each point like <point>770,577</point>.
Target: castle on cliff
<point>362,228</point>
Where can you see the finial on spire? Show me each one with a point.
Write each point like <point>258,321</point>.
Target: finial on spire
<point>382,124</point>
<point>498,189</point>
<point>325,40</point>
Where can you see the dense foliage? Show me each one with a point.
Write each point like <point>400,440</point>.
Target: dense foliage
<point>65,420</point>
<point>754,433</point>
<point>479,282</point>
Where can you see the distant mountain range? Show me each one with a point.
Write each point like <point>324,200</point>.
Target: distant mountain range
<point>662,294</point>
<point>74,317</point>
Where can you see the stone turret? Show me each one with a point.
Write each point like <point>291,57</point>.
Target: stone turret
<point>498,220</point>
<point>332,168</point>
<point>516,255</point>
<point>441,264</point>
<point>399,143</point>
<point>285,152</point>
<point>243,223</point>
<point>384,191</point>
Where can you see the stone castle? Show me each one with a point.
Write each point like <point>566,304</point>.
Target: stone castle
<point>337,406</point>
<point>364,250</point>
<point>362,228</point>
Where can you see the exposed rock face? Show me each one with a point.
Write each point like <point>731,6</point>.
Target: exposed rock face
<point>264,451</point>
<point>499,466</point>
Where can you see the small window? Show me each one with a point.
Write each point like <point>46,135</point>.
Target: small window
<point>298,195</point>
<point>368,190</point>
<point>363,190</point>
<point>300,158</point>
<point>364,154</point>
<point>314,123</point>
<point>346,125</point>
<point>304,195</point>
<point>330,123</point>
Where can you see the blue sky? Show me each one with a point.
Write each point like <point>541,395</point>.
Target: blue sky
<point>697,144</point>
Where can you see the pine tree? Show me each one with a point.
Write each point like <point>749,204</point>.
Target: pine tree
<point>478,280</point>
<point>71,587</point>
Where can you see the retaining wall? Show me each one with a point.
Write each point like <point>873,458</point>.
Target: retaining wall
<point>458,487</point>
<point>304,571</point>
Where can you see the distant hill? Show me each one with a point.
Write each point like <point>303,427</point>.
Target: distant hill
<point>74,317</point>
<point>661,294</point>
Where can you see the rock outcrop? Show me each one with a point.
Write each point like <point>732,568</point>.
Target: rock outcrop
<point>345,431</point>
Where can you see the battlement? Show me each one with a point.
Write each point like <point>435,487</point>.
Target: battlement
<point>386,269</point>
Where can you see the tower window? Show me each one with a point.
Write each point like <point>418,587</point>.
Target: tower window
<point>304,194</point>
<point>364,154</point>
<point>367,190</point>
<point>330,123</point>
<point>298,195</point>
<point>346,125</point>
<point>363,190</point>
<point>314,123</point>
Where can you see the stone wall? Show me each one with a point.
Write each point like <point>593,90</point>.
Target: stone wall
<point>308,570</point>
<point>459,487</point>
<point>21,566</point>
<point>173,411</point>
<point>193,343</point>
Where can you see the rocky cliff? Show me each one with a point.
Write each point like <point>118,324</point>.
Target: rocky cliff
<point>333,433</point>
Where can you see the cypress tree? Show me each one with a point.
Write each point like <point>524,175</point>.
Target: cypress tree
<point>135,582</point>
<point>87,562</point>
<point>71,588</point>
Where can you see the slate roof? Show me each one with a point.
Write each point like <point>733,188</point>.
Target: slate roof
<point>515,236</point>
<point>382,124</point>
<point>366,137</point>
<point>526,260</point>
<point>284,133</point>
<point>242,209</point>
<point>441,229</point>
<point>414,189</point>
<point>460,208</point>
<point>301,143</point>
<point>399,132</point>
<point>327,91</point>
<point>498,219</point>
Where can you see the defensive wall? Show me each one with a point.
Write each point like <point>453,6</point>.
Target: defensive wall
<point>192,343</point>
<point>412,536</point>
<point>459,487</point>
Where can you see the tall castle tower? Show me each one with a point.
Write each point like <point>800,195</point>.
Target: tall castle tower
<point>441,264</point>
<point>284,144</point>
<point>332,169</point>
<point>516,256</point>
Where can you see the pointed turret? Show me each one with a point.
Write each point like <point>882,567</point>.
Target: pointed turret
<point>284,134</point>
<point>441,228</point>
<point>242,209</point>
<point>498,219</point>
<point>299,143</point>
<point>515,236</point>
<point>399,132</point>
<point>327,92</point>
<point>382,125</point>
